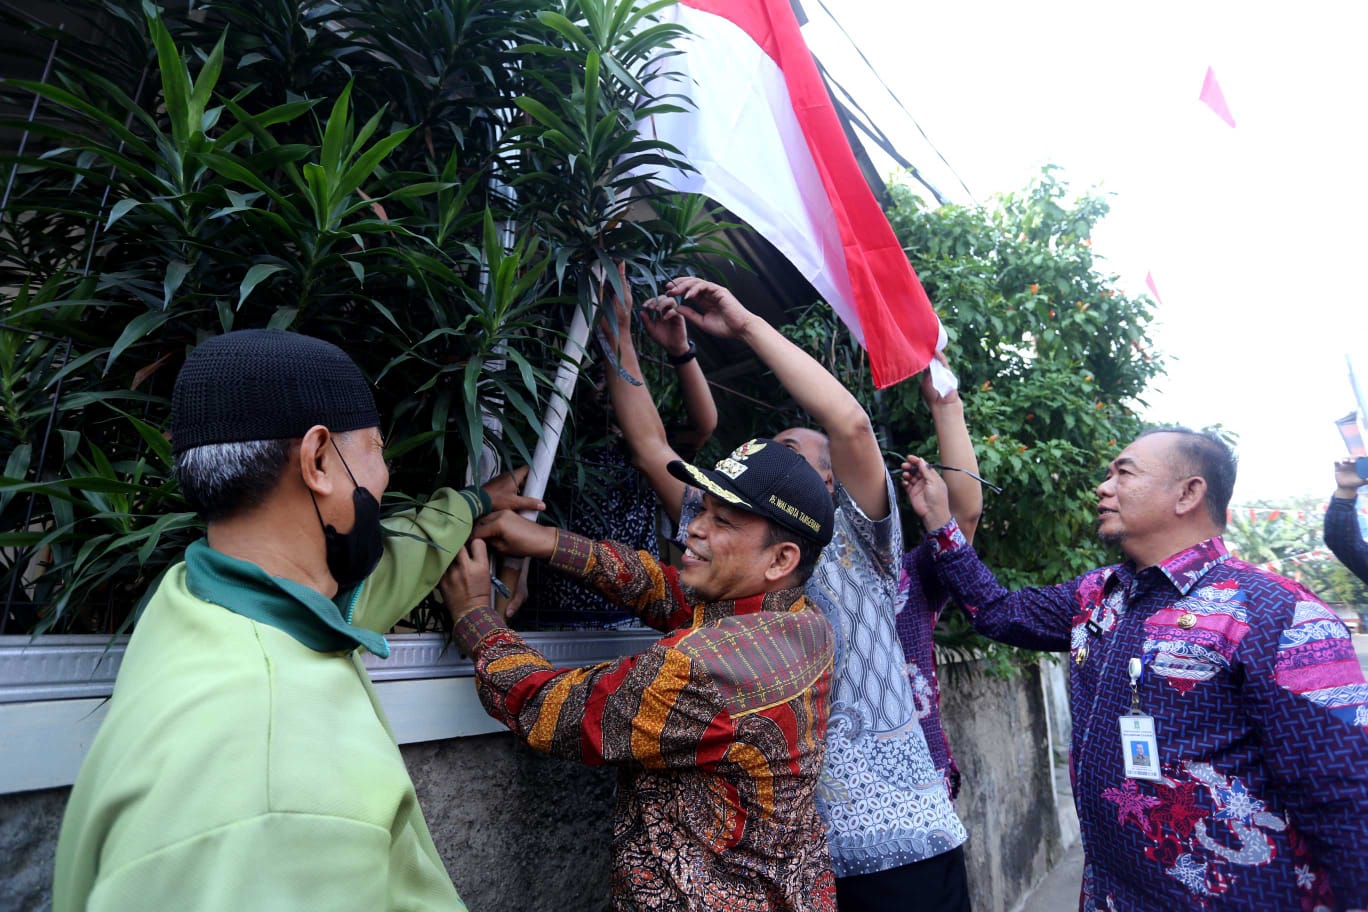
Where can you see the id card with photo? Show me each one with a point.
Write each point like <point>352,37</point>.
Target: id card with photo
<point>1140,748</point>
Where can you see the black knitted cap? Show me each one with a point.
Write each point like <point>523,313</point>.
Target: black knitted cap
<point>267,384</point>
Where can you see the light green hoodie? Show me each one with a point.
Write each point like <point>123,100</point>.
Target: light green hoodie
<point>245,763</point>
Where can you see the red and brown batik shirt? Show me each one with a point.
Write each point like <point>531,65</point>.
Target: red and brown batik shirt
<point>717,730</point>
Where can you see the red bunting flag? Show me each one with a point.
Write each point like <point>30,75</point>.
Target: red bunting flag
<point>767,144</point>
<point>1214,98</point>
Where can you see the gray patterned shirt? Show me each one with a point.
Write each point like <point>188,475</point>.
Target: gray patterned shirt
<point>883,800</point>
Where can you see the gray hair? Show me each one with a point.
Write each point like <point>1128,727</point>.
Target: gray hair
<point>221,479</point>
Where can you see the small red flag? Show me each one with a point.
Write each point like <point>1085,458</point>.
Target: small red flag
<point>1214,98</point>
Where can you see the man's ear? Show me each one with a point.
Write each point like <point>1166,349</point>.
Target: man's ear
<point>784,559</point>
<point>317,463</point>
<point>1192,496</point>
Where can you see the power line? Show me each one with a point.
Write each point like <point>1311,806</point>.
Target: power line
<point>896,100</point>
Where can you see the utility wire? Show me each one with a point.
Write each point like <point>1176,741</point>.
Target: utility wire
<point>891,94</point>
<point>877,136</point>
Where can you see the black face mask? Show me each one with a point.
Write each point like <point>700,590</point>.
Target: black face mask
<point>353,556</point>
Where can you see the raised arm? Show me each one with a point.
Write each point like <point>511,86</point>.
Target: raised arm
<point>1036,618</point>
<point>956,449</point>
<point>855,455</point>
<point>636,413</point>
<point>1341,524</point>
<point>666,327</point>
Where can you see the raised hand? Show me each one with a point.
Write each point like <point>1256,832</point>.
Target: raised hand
<point>665,325</point>
<point>929,394</point>
<point>1347,481</point>
<point>711,307</point>
<point>926,492</point>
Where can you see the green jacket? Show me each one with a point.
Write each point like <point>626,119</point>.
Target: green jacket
<point>245,763</point>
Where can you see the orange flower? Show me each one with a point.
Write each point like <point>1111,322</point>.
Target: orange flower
<point>1097,404</point>
<point>1035,289</point>
<point>992,438</point>
<point>1111,442</point>
<point>987,385</point>
<point>1030,416</point>
<point>1022,448</point>
<point>1087,242</point>
<point>1052,315</point>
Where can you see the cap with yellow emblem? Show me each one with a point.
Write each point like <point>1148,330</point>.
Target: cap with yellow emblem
<point>768,479</point>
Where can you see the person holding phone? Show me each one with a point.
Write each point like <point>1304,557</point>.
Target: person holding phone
<point>1342,534</point>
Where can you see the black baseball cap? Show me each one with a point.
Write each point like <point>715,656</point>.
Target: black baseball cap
<point>764,477</point>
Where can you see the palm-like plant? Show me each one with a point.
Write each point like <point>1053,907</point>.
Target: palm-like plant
<point>340,169</point>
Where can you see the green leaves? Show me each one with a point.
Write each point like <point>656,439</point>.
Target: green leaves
<point>427,185</point>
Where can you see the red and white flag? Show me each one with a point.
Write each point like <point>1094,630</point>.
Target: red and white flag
<point>768,146</point>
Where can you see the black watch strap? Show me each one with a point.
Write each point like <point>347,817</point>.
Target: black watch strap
<point>685,358</point>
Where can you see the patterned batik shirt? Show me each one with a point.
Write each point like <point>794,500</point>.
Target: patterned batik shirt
<point>884,801</point>
<point>716,730</point>
<point>922,598</point>
<point>1261,714</point>
<point>1344,537</point>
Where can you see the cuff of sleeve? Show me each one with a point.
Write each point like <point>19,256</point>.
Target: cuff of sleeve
<point>571,554</point>
<point>474,626</point>
<point>486,505</point>
<point>947,538</point>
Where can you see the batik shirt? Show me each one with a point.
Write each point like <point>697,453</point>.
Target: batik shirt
<point>884,801</point>
<point>717,729</point>
<point>1261,714</point>
<point>922,597</point>
<point>1344,537</point>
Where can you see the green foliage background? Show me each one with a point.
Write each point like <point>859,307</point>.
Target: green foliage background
<point>428,183</point>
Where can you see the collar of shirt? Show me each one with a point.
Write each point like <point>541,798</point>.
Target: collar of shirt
<point>1183,569</point>
<point>306,614</point>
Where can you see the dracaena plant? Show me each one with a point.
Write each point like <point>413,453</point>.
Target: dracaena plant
<point>339,169</point>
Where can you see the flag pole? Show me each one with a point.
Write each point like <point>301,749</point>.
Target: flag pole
<point>553,424</point>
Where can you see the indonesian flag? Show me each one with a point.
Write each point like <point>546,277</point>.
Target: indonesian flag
<point>768,146</point>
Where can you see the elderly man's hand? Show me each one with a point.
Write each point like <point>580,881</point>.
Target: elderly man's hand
<point>465,585</point>
<point>508,533</point>
<point>505,492</point>
<point>926,492</point>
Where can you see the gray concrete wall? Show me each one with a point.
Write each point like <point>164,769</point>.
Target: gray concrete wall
<point>519,831</point>
<point>1001,740</point>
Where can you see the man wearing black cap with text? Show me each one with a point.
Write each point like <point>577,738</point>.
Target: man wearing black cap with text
<point>245,762</point>
<point>717,728</point>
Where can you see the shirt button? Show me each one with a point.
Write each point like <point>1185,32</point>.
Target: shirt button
<point>1081,656</point>
<point>1187,621</point>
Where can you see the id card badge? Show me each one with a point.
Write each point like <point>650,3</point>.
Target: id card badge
<point>1139,747</point>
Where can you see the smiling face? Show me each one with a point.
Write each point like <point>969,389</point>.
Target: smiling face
<point>728,555</point>
<point>1138,501</point>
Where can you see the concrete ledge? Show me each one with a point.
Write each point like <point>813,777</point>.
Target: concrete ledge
<point>54,694</point>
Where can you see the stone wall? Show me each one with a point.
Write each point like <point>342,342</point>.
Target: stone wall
<point>519,831</point>
<point>1000,737</point>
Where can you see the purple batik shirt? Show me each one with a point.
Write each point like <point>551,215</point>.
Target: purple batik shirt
<point>923,598</point>
<point>1261,714</point>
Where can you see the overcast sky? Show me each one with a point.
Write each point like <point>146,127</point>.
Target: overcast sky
<point>1254,235</point>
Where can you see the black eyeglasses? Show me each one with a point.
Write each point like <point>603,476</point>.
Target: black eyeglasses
<point>897,473</point>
